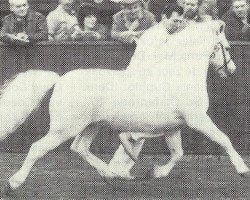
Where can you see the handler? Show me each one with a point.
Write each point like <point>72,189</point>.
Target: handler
<point>147,49</point>
<point>172,22</point>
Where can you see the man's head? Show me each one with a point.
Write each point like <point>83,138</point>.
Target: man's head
<point>172,18</point>
<point>190,8</point>
<point>19,7</point>
<point>132,8</point>
<point>88,15</point>
<point>208,10</point>
<point>240,8</point>
<point>68,5</point>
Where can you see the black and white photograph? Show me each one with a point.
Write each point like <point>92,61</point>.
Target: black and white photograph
<point>125,99</point>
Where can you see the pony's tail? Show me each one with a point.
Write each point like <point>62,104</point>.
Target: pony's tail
<point>21,96</point>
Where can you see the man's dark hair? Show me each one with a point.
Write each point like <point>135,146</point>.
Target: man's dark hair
<point>87,9</point>
<point>169,9</point>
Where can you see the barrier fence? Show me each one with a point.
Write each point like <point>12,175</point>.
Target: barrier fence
<point>229,98</point>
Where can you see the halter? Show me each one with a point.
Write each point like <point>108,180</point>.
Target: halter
<point>225,62</point>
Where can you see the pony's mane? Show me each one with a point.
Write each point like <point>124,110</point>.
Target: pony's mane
<point>196,39</point>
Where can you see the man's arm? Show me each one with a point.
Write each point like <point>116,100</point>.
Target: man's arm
<point>5,35</point>
<point>130,36</point>
<point>51,24</point>
<point>116,30</point>
<point>124,36</point>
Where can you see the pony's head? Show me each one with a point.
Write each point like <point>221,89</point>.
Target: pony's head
<point>200,44</point>
<point>220,59</point>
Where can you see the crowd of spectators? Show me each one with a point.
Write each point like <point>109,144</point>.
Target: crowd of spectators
<point>73,21</point>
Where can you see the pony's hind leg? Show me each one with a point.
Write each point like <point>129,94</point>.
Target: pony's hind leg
<point>204,124</point>
<point>174,144</point>
<point>37,150</point>
<point>121,163</point>
<point>81,145</point>
<point>132,142</point>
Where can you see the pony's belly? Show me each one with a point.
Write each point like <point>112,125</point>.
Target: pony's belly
<point>143,121</point>
<point>132,126</point>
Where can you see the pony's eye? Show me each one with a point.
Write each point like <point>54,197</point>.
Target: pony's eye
<point>212,56</point>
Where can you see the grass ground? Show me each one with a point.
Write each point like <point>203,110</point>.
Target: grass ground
<point>65,175</point>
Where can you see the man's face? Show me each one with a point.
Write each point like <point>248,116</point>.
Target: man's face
<point>133,11</point>
<point>19,7</point>
<point>190,8</point>
<point>240,8</point>
<point>90,21</point>
<point>174,23</point>
<point>68,5</point>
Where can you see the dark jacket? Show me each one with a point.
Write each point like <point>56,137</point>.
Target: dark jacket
<point>234,25</point>
<point>34,25</point>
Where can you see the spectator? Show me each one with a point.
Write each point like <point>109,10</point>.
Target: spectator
<point>190,10</point>
<point>237,21</point>
<point>89,18</point>
<point>62,22</point>
<point>223,7</point>
<point>129,24</point>
<point>23,26</point>
<point>155,38</point>
<point>208,10</point>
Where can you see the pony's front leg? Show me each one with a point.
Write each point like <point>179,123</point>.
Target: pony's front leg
<point>81,145</point>
<point>202,123</point>
<point>175,147</point>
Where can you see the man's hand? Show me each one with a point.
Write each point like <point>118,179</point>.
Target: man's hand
<point>11,36</point>
<point>90,34</point>
<point>22,36</point>
<point>129,36</point>
<point>76,35</point>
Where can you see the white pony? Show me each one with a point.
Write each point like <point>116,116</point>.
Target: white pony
<point>124,159</point>
<point>154,101</point>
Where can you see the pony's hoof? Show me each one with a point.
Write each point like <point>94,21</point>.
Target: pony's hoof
<point>8,191</point>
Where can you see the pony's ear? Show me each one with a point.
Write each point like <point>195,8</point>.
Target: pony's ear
<point>218,26</point>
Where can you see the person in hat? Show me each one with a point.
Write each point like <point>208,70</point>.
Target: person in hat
<point>23,26</point>
<point>62,22</point>
<point>130,23</point>
<point>207,11</point>
<point>89,17</point>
